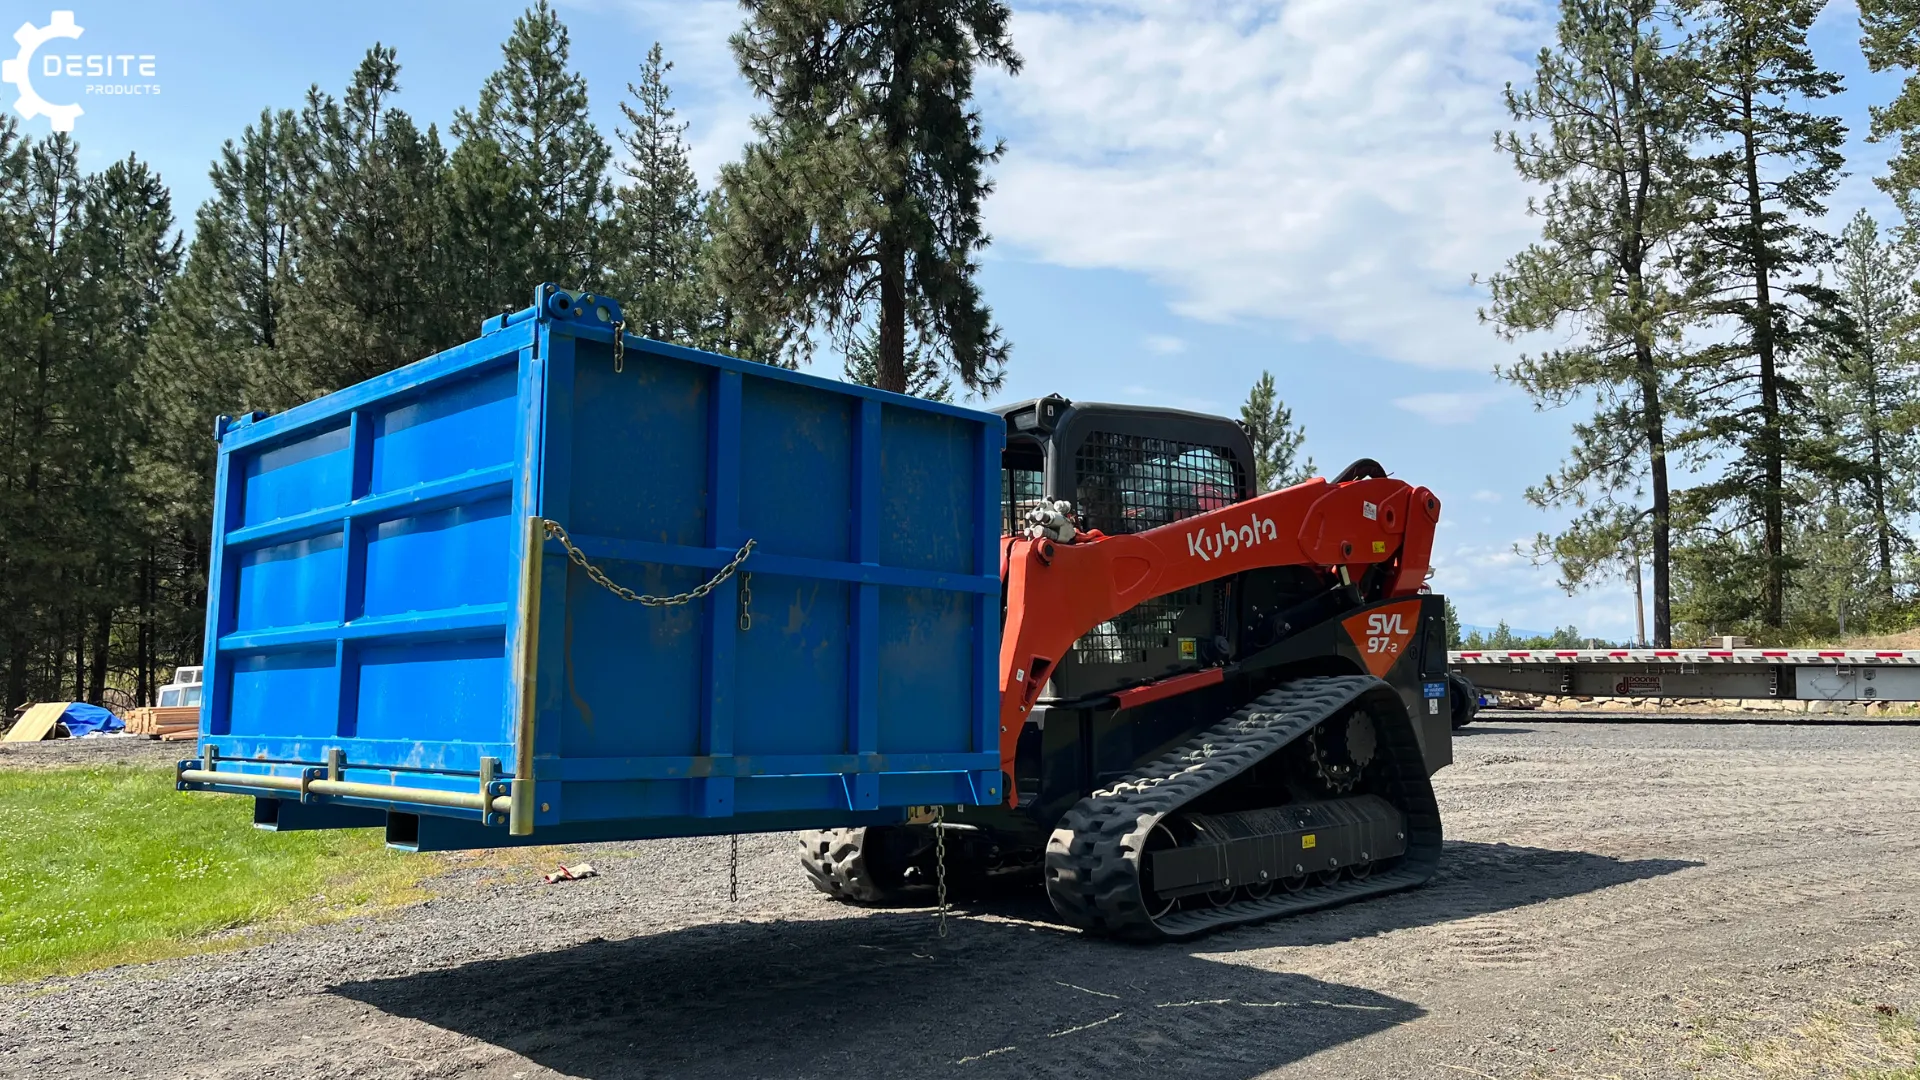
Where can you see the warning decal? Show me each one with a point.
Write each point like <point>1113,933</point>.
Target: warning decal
<point>1382,634</point>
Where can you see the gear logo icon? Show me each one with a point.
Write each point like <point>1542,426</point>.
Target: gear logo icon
<point>18,70</point>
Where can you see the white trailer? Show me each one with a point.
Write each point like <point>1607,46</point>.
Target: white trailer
<point>1786,674</point>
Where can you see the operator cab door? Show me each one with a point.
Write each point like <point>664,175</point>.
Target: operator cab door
<point>1127,469</point>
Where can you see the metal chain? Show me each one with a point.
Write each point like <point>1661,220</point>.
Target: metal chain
<point>733,869</point>
<point>940,863</point>
<point>619,345</point>
<point>579,559</point>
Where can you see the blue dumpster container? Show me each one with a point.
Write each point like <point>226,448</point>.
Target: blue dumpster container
<point>396,635</point>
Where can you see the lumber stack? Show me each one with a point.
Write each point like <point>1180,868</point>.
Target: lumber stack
<point>176,723</point>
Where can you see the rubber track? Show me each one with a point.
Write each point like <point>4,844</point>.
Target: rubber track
<point>1093,856</point>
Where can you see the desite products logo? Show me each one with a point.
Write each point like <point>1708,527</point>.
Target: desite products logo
<point>70,76</point>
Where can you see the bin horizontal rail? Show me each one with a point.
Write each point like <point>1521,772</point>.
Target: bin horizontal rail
<point>1784,674</point>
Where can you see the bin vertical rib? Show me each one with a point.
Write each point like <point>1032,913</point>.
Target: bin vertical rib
<point>720,620</point>
<point>544,434</point>
<point>216,680</point>
<point>986,609</point>
<point>863,690</point>
<point>353,576</point>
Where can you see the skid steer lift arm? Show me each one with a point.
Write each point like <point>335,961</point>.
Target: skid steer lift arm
<point>1057,592</point>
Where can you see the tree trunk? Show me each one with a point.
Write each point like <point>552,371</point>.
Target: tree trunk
<point>892,362</point>
<point>1662,523</point>
<point>79,655</point>
<point>143,680</point>
<point>102,640</point>
<point>1772,495</point>
<point>1877,481</point>
<point>892,374</point>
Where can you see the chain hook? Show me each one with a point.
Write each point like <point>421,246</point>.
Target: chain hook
<point>940,863</point>
<point>599,576</point>
<point>619,345</point>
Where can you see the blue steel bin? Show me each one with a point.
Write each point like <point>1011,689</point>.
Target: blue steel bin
<point>394,639</point>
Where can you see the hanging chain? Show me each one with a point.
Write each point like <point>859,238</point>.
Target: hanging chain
<point>619,345</point>
<point>599,576</point>
<point>940,863</point>
<point>733,869</point>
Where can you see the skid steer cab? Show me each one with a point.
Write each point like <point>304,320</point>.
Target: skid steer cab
<point>1217,705</point>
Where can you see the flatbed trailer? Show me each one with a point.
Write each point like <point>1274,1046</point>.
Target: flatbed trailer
<point>1784,674</point>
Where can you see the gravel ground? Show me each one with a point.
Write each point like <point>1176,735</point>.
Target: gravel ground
<point>1615,901</point>
<point>96,750</point>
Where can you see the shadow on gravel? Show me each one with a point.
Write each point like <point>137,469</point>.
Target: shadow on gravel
<point>1474,879</point>
<point>1483,729</point>
<point>882,996</point>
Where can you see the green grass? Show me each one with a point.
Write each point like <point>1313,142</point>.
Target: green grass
<point>102,866</point>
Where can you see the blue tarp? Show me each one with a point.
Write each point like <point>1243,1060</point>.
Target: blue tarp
<point>84,719</point>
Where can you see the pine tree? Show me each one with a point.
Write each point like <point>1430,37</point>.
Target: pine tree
<point>375,289</point>
<point>1890,39</point>
<point>530,150</point>
<point>1866,393</point>
<point>658,216</point>
<point>925,378</point>
<point>131,254</point>
<point>1276,438</point>
<point>1610,113</point>
<point>1766,170</point>
<point>860,199</point>
<point>46,463</point>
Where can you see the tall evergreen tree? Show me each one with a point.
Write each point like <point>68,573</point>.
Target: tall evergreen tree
<point>132,254</point>
<point>375,290</point>
<point>1890,39</point>
<point>1866,393</point>
<point>1610,113</point>
<point>46,466</point>
<point>860,199</point>
<point>1768,165</point>
<point>1276,438</point>
<point>658,216</point>
<point>529,152</point>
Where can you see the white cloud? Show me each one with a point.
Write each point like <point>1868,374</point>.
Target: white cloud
<point>1448,407</point>
<point>1326,163</point>
<point>1165,344</point>
<point>1485,496</point>
<point>1153,395</point>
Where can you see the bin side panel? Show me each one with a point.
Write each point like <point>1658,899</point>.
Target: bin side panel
<point>467,425</point>
<point>283,693</point>
<point>630,676</point>
<point>294,478</point>
<point>927,504</point>
<point>639,449</point>
<point>289,584</point>
<point>431,691</point>
<point>365,597</point>
<point>796,476</point>
<point>926,671</point>
<point>440,559</point>
<point>792,681</point>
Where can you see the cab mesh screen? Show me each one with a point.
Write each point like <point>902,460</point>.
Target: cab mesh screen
<point>1129,484</point>
<point>1020,491</point>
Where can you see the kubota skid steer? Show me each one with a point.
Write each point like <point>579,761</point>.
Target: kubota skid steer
<point>1217,706</point>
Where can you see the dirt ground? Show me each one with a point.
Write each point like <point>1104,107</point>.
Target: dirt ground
<point>1615,901</point>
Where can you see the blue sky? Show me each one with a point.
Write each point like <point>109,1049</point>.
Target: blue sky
<point>1194,191</point>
